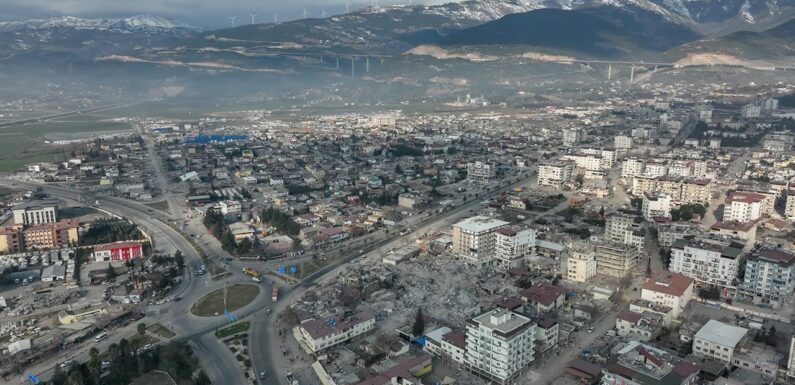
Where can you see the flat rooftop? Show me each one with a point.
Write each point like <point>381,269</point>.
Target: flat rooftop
<point>479,224</point>
<point>503,321</point>
<point>720,333</point>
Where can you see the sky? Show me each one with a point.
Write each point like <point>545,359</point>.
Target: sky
<point>200,13</point>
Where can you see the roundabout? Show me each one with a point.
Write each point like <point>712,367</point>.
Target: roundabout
<point>230,298</point>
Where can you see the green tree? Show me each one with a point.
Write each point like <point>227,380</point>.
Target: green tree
<point>110,272</point>
<point>419,324</point>
<point>142,328</point>
<point>201,379</point>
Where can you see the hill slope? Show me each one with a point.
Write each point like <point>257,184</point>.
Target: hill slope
<point>608,32</point>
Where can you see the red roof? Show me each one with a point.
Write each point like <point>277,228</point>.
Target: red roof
<point>117,245</point>
<point>455,338</point>
<point>747,197</point>
<point>666,282</point>
<point>629,316</point>
<point>507,231</point>
<point>543,293</point>
<point>319,328</point>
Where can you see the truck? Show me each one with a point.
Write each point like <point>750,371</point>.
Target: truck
<point>275,293</point>
<point>251,272</point>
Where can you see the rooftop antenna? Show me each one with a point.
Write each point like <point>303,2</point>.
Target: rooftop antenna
<point>305,14</point>
<point>253,16</point>
<point>233,20</point>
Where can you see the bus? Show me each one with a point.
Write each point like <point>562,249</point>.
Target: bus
<point>101,337</point>
<point>251,272</point>
<point>275,293</point>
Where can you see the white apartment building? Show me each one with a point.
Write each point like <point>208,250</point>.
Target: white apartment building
<point>480,172</point>
<point>622,142</point>
<point>718,340</point>
<point>499,345</point>
<point>230,207</point>
<point>621,228</point>
<point>632,167</point>
<point>587,162</point>
<point>669,289</point>
<point>555,174</point>
<point>475,239</point>
<point>319,334</point>
<point>447,344</point>
<point>580,265</point>
<point>743,207</point>
<point>655,169</point>
<point>656,205</point>
<point>769,275</point>
<point>708,261</point>
<point>679,168</point>
<point>513,245</point>
<point>35,213</point>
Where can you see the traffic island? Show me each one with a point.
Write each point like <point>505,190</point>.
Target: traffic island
<point>226,300</point>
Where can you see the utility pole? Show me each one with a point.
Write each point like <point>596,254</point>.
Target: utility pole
<point>338,62</point>
<point>632,74</point>
<point>353,59</point>
<point>609,71</point>
<point>367,64</point>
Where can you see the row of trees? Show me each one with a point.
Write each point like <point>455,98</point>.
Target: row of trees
<point>109,231</point>
<point>281,221</point>
<point>128,363</point>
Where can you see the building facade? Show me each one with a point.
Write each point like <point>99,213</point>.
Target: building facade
<point>499,345</point>
<point>475,239</point>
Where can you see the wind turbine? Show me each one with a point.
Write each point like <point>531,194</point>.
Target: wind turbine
<point>305,14</point>
<point>323,13</point>
<point>253,16</point>
<point>233,20</point>
<point>347,6</point>
<point>275,19</point>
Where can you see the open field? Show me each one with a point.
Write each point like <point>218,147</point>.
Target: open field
<point>236,297</point>
<point>20,145</point>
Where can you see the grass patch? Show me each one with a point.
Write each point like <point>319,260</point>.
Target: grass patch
<point>160,330</point>
<point>232,330</point>
<point>237,296</point>
<point>139,341</point>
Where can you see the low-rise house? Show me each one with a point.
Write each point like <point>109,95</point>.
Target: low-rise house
<point>544,297</point>
<point>319,334</point>
<point>718,341</point>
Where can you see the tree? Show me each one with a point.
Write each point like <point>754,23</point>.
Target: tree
<point>142,328</point>
<point>110,272</point>
<point>419,324</point>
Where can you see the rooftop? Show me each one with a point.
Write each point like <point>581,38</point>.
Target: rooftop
<point>647,365</point>
<point>504,322</point>
<point>666,282</point>
<point>319,328</point>
<point>720,333</point>
<point>479,224</point>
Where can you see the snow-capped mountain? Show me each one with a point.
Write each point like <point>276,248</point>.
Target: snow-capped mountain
<point>139,23</point>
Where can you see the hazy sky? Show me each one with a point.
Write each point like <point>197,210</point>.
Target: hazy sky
<point>208,13</point>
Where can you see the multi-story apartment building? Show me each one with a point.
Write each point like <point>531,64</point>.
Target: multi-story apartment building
<point>695,191</point>
<point>668,233</point>
<point>789,208</point>
<point>669,289</point>
<point>616,259</point>
<point>572,136</point>
<point>474,239</point>
<point>622,142</point>
<point>641,364</point>
<point>555,174</point>
<point>642,184</point>
<point>35,213</point>
<point>718,340</point>
<point>11,239</point>
<point>580,265</point>
<point>743,207</point>
<point>708,261</point>
<point>621,228</point>
<point>586,161</point>
<point>513,244</point>
<point>655,169</point>
<point>480,172</point>
<point>319,334</point>
<point>656,206</point>
<point>632,167</point>
<point>499,345</point>
<point>769,275</point>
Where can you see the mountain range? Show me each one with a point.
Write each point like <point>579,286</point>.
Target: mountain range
<point>612,29</point>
